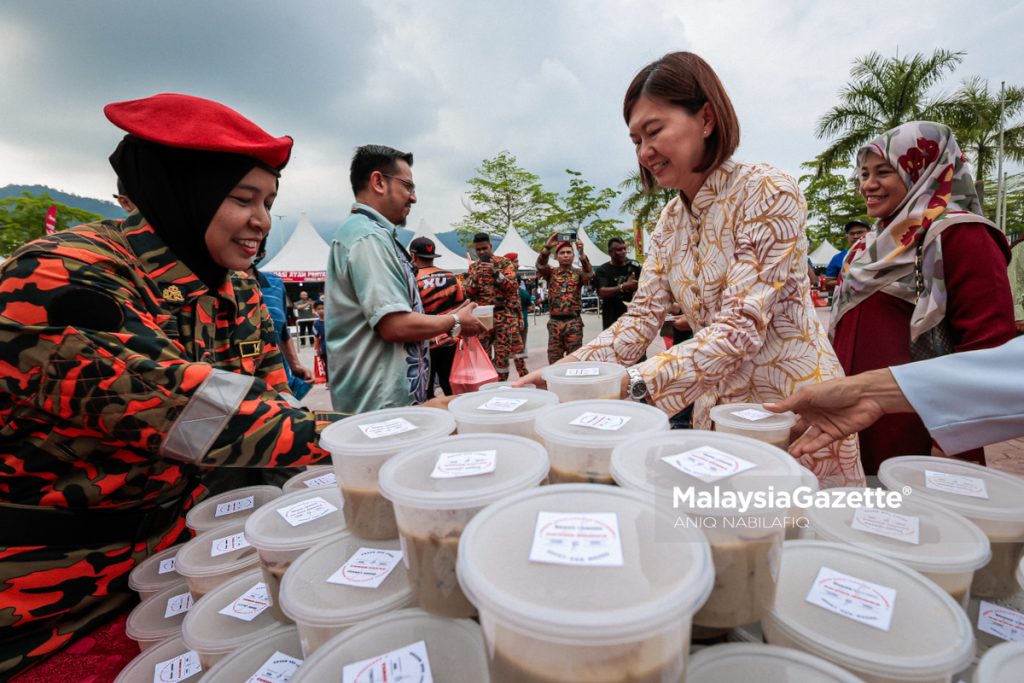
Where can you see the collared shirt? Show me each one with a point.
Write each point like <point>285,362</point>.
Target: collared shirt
<point>835,264</point>
<point>368,277</point>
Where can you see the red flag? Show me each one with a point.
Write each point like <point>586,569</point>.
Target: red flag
<point>51,220</point>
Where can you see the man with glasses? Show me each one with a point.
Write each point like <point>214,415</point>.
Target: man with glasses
<point>377,333</point>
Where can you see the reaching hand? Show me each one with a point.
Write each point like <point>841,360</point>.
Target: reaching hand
<point>579,247</point>
<point>630,284</point>
<point>471,325</point>
<point>552,241</point>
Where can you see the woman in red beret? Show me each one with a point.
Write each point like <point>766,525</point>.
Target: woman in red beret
<point>133,358</point>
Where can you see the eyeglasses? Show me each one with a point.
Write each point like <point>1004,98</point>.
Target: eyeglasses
<point>409,185</point>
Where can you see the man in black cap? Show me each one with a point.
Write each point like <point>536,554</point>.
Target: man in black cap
<point>855,230</point>
<point>441,294</point>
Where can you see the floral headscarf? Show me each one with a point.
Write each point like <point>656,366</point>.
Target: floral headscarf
<point>940,193</point>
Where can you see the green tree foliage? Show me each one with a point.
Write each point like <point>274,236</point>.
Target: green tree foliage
<point>580,208</point>
<point>974,118</point>
<point>23,219</point>
<point>644,207</point>
<point>1014,204</point>
<point>832,200</point>
<point>502,195</point>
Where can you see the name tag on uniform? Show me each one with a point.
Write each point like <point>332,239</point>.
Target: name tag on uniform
<point>248,349</point>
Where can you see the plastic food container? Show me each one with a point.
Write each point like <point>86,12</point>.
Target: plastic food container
<point>929,637</point>
<point>948,549</point>
<point>433,510</point>
<point>315,477</point>
<point>229,617</point>
<point>273,656</point>
<point>360,444</point>
<point>751,633</point>
<point>620,610</point>
<point>1002,664</point>
<point>455,647</point>
<point>321,609</point>
<point>159,617</point>
<point>504,384</point>
<point>991,499</point>
<point>160,661</point>
<point>229,506</point>
<point>213,557</point>
<point>746,544</point>
<point>1020,573</point>
<point>584,381</point>
<point>485,314</point>
<point>796,521</point>
<point>155,573</point>
<point>745,662</point>
<point>753,421</point>
<point>581,435</point>
<point>512,411</point>
<point>286,527</point>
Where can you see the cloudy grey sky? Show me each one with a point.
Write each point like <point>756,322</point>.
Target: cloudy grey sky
<point>454,81</point>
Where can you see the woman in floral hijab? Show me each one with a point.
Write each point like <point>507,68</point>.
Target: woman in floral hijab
<point>929,279</point>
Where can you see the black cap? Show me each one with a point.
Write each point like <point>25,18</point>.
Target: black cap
<point>423,247</point>
<point>856,223</point>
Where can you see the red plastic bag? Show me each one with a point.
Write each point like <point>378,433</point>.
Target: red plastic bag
<point>472,368</point>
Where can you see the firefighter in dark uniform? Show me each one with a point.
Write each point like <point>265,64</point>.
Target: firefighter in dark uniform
<point>133,358</point>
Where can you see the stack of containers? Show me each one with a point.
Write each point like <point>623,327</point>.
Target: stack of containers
<point>272,658</point>
<point>581,435</point>
<point>171,660</point>
<point>155,573</point>
<point>361,444</point>
<point>744,662</point>
<point>754,422</point>
<point>505,384</point>
<point>230,506</point>
<point>572,586</point>
<point>512,411</point>
<point>1002,664</point>
<point>584,381</point>
<point>315,477</point>
<point>707,469</point>
<point>213,557</point>
<point>796,521</point>
<point>159,617</point>
<point>437,489</point>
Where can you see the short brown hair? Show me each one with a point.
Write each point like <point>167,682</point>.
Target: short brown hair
<point>684,79</point>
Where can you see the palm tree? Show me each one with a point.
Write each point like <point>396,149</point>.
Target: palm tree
<point>975,120</point>
<point>884,92</point>
<point>644,206</point>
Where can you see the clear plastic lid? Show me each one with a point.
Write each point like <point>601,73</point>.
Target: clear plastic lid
<point>297,520</point>
<point>217,551</point>
<point>751,417</point>
<point>1020,574</point>
<point>207,630</point>
<point>510,405</point>
<point>455,647</point>
<point>155,572</point>
<point>929,635</point>
<point>743,662</point>
<point>246,661</point>
<point>159,616</point>
<point>519,464</point>
<point>388,431</point>
<point>315,477</point>
<point>705,461</point>
<point>610,422</point>
<point>504,384</point>
<point>309,598</point>
<point>946,541</point>
<point>954,484</point>
<point>586,372</point>
<point>229,506</point>
<point>657,584</point>
<point>143,669</point>
<point>1002,664</point>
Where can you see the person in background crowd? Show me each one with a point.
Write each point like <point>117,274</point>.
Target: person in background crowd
<point>929,279</point>
<point>304,316</point>
<point>134,356</point>
<point>1015,274</point>
<point>731,250</point>
<point>320,337</point>
<point>616,281</point>
<point>855,230</point>
<point>565,291</point>
<point>525,302</point>
<point>441,293</point>
<point>492,280</point>
<point>377,332</point>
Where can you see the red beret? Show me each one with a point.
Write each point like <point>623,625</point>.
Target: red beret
<point>191,122</point>
<point>558,247</point>
<point>512,256</point>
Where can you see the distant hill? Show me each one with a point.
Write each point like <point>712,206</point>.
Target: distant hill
<point>107,209</point>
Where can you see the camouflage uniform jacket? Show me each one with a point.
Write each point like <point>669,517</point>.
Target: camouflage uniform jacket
<point>565,291</point>
<point>154,378</point>
<point>485,289</point>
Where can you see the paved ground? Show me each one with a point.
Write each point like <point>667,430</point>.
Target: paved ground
<point>1008,455</point>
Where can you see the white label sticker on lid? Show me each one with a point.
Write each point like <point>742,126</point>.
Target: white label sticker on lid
<point>367,568</point>
<point>504,405</point>
<point>388,428</point>
<point>887,523</point>
<point>708,464</point>
<point>583,372</point>
<point>178,604</point>
<point>166,566</point>
<point>576,538</point>
<point>862,601</point>
<point>1001,622</point>
<point>306,511</point>
<point>409,663</point>
<point>322,481</point>
<point>177,668</point>
<point>228,544</point>
<point>233,506</point>
<point>250,604</point>
<point>466,464</point>
<point>954,483</point>
<point>279,668</point>
<point>609,423</point>
<point>753,414</point>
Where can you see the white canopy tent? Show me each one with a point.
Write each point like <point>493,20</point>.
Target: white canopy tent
<point>447,259</point>
<point>823,254</point>
<point>514,242</point>
<point>303,258</point>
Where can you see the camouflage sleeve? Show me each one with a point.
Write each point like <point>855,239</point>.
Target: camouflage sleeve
<point>509,286</point>
<point>472,288</point>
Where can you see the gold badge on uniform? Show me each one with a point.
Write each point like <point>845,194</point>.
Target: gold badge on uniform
<point>173,294</point>
<point>248,349</point>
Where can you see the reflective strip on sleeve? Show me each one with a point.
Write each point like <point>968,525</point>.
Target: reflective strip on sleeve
<point>204,417</point>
